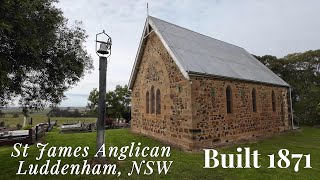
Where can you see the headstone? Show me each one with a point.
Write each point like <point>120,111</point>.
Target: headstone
<point>24,121</point>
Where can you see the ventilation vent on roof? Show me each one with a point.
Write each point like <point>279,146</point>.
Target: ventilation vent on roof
<point>149,28</point>
<point>148,31</point>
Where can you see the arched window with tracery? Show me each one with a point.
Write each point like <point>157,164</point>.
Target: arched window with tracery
<point>273,101</point>
<point>229,99</point>
<point>153,104</point>
<point>254,100</point>
<point>158,102</point>
<point>147,102</point>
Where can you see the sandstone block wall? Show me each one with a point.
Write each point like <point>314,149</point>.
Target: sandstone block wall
<point>216,126</point>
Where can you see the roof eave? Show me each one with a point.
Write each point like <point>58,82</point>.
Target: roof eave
<point>138,56</point>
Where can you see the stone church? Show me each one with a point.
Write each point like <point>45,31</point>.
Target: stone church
<point>195,91</point>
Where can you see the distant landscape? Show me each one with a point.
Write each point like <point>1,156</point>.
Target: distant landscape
<point>12,110</point>
<point>10,116</point>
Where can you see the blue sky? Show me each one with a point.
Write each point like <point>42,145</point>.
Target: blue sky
<point>276,27</point>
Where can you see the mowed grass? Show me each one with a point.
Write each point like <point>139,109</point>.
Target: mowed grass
<point>186,165</point>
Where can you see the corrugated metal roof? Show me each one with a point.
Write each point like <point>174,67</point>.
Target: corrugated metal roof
<point>195,53</point>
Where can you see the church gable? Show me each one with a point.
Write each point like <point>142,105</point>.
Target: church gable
<point>161,100</point>
<point>151,29</point>
<point>156,64</point>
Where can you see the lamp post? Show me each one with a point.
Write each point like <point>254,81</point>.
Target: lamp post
<point>103,52</point>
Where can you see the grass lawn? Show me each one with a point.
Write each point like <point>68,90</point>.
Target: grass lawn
<point>186,165</point>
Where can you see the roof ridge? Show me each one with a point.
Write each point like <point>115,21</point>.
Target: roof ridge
<point>223,62</point>
<point>195,32</point>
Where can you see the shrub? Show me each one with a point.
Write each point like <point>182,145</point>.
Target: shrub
<point>19,126</point>
<point>27,127</point>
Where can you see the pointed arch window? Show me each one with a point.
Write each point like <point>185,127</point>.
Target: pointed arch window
<point>229,99</point>
<point>153,104</point>
<point>254,100</point>
<point>158,102</point>
<point>147,102</point>
<point>273,101</point>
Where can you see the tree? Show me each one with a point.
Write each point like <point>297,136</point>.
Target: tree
<point>15,115</point>
<point>40,56</point>
<point>302,72</point>
<point>2,114</point>
<point>25,112</point>
<point>93,101</point>
<point>57,112</point>
<point>117,102</point>
<point>76,113</point>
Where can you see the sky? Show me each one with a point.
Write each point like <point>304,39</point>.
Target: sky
<point>275,27</point>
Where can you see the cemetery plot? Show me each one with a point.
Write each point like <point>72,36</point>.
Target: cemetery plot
<point>77,127</point>
<point>29,136</point>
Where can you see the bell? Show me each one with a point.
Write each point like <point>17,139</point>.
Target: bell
<point>103,49</point>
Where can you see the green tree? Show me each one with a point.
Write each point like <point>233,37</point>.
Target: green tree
<point>93,101</point>
<point>40,56</point>
<point>2,114</point>
<point>57,112</point>
<point>117,102</point>
<point>302,72</point>
<point>15,115</point>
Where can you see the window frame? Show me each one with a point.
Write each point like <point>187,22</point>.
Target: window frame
<point>229,103</point>
<point>147,102</point>
<point>254,100</point>
<point>153,103</point>
<point>273,101</point>
<point>158,101</point>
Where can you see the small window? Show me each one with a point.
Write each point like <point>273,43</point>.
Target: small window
<point>153,104</point>
<point>273,101</point>
<point>229,99</point>
<point>254,100</point>
<point>158,101</point>
<point>147,102</point>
